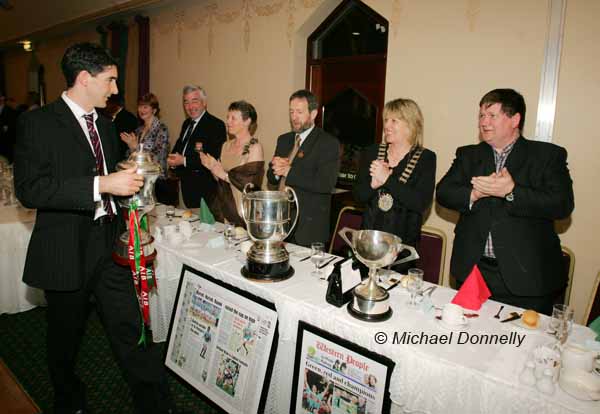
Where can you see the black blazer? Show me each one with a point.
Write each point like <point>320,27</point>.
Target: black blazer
<point>54,173</point>
<point>196,181</point>
<point>411,200</point>
<point>124,121</point>
<point>525,243</point>
<point>313,176</point>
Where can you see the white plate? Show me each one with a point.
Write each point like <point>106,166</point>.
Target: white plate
<point>575,388</point>
<point>452,327</point>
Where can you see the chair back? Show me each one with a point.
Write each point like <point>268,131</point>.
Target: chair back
<point>569,266</point>
<point>432,252</point>
<point>593,308</point>
<point>349,217</point>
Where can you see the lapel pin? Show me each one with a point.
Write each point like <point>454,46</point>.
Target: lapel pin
<point>300,154</point>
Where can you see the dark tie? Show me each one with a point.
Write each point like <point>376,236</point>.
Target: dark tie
<point>291,157</point>
<point>188,134</point>
<point>89,120</point>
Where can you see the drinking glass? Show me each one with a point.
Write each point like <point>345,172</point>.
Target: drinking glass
<point>561,322</point>
<point>229,235</point>
<point>170,213</point>
<point>414,285</point>
<point>317,256</point>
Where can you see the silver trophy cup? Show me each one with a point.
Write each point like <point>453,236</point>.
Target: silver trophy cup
<point>268,216</point>
<point>375,249</point>
<point>144,199</point>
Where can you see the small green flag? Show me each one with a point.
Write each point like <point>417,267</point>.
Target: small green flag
<point>595,326</point>
<point>205,214</point>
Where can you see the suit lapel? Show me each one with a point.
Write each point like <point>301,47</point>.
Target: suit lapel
<point>517,156</point>
<point>309,143</point>
<point>67,120</point>
<point>487,164</point>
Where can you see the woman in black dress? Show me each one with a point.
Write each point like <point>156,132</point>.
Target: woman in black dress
<point>396,178</point>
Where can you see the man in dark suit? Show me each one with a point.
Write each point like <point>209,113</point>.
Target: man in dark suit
<point>8,117</point>
<point>123,120</point>
<point>509,190</point>
<point>201,131</point>
<point>64,167</point>
<point>307,159</point>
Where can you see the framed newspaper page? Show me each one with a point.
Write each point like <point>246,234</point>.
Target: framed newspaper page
<point>222,341</point>
<point>335,376</point>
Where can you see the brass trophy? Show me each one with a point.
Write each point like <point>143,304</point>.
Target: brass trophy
<point>145,201</point>
<point>375,249</point>
<point>267,215</point>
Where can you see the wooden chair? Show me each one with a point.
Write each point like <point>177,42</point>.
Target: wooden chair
<point>349,217</point>
<point>432,249</point>
<point>593,308</point>
<point>569,266</point>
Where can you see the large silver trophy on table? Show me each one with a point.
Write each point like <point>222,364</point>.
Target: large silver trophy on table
<point>143,199</point>
<point>268,215</point>
<point>375,249</point>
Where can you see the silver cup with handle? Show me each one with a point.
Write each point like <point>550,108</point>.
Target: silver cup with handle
<point>375,249</point>
<point>268,215</point>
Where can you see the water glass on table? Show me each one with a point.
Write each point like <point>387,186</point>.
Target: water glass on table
<point>229,235</point>
<point>317,256</point>
<point>414,284</point>
<point>170,213</point>
<point>561,322</point>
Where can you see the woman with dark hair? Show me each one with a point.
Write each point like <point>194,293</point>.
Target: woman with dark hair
<point>152,134</point>
<point>241,162</point>
<point>396,178</point>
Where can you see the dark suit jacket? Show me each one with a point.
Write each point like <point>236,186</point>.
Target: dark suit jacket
<point>54,173</point>
<point>196,181</point>
<point>125,121</point>
<point>313,176</point>
<point>525,243</point>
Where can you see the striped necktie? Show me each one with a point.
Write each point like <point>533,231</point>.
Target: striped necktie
<point>95,139</point>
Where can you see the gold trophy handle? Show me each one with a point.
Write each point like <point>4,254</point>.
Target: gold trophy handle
<point>413,255</point>
<point>343,233</point>
<point>244,192</point>
<point>291,190</point>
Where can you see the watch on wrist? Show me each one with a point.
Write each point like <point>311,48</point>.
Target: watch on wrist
<point>510,197</point>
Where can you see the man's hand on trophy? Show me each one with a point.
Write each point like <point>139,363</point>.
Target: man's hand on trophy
<point>121,183</point>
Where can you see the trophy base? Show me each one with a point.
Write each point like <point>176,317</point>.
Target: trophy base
<point>267,272</point>
<point>376,317</point>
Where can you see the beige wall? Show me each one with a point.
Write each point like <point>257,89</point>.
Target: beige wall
<point>445,55</point>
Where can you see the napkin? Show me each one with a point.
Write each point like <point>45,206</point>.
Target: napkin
<point>474,292</point>
<point>216,242</point>
<point>595,326</point>
<point>205,214</point>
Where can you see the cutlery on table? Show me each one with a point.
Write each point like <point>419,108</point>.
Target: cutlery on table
<point>327,262</point>
<point>497,316</point>
<point>305,258</point>
<point>513,317</point>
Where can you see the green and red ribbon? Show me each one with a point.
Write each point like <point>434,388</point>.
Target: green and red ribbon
<point>143,276</point>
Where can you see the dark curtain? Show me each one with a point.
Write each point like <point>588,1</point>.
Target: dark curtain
<point>118,47</point>
<point>144,56</point>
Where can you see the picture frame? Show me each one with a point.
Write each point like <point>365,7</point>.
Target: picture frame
<point>333,375</point>
<point>222,342</point>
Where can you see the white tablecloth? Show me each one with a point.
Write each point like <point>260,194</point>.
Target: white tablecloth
<point>16,224</point>
<point>427,378</point>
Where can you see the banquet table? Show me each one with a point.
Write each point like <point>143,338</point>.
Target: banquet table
<point>16,224</point>
<point>428,378</point>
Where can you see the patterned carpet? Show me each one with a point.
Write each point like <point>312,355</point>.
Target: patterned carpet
<point>22,346</point>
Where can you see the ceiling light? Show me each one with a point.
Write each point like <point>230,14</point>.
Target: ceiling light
<point>27,46</point>
<point>356,33</point>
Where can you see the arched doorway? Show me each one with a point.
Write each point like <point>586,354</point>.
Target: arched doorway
<point>346,64</point>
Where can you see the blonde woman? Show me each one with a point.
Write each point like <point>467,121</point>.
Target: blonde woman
<point>241,162</point>
<point>396,178</point>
